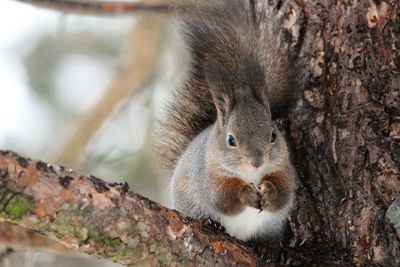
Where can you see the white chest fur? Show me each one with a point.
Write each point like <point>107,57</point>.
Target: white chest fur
<point>251,223</point>
<point>254,176</point>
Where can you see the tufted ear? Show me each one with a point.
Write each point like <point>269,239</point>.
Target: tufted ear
<point>220,84</point>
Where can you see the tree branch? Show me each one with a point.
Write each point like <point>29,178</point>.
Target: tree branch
<point>101,8</point>
<point>95,217</point>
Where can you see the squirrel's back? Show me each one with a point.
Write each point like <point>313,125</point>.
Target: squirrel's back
<point>223,30</point>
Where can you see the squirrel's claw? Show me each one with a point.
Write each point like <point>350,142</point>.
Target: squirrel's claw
<point>256,187</point>
<point>259,195</point>
<point>212,225</point>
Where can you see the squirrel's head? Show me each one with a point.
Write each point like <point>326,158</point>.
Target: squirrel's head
<point>247,140</point>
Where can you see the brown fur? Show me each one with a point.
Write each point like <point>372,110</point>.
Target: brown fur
<point>234,195</point>
<point>274,191</point>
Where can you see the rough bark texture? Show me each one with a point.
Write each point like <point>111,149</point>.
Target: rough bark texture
<point>346,127</point>
<point>94,217</point>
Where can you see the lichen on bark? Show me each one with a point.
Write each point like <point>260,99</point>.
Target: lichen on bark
<point>14,205</point>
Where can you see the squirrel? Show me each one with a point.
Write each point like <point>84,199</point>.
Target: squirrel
<point>217,141</point>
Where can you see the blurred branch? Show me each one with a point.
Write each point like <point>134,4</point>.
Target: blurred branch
<point>95,217</point>
<point>4,254</point>
<point>105,8</point>
<point>21,238</point>
<point>136,67</point>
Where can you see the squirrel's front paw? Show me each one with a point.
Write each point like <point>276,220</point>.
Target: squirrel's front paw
<point>250,196</point>
<point>269,196</point>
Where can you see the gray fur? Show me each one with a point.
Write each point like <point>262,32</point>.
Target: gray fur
<point>193,193</point>
<point>226,33</point>
<point>239,81</point>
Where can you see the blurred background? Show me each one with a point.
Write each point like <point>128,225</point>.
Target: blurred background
<point>83,92</point>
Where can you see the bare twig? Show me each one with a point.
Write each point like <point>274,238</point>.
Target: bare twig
<point>136,67</point>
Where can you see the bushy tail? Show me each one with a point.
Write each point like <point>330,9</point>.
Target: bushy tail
<point>224,30</point>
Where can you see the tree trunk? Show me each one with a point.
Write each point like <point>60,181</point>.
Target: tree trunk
<point>346,127</point>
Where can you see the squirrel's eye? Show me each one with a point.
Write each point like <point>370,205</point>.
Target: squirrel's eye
<point>273,137</point>
<point>231,141</point>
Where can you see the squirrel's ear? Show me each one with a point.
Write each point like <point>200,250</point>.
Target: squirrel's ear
<point>220,84</point>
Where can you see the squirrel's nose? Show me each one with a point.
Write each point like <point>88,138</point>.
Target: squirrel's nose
<point>257,159</point>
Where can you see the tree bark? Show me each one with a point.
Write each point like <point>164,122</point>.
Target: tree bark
<point>345,128</point>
